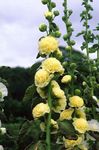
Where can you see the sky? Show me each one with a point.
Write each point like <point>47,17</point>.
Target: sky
<point>19,33</point>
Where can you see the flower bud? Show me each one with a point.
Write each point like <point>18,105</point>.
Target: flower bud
<point>65,37</point>
<point>56,13</point>
<point>44,2</point>
<point>77,92</point>
<point>84,83</point>
<point>3,130</point>
<point>49,15</point>
<point>53,5</point>
<point>57,34</point>
<point>68,48</point>
<point>73,65</point>
<point>72,42</point>
<point>43,27</point>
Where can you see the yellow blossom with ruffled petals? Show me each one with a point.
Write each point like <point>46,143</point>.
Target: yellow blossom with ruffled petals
<point>42,78</point>
<point>66,114</point>
<point>76,101</point>
<point>48,45</point>
<point>81,125</point>
<point>40,110</point>
<point>52,65</point>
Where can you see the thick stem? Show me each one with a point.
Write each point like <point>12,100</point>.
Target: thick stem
<point>48,134</point>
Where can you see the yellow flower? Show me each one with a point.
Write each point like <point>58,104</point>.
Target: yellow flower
<point>54,124</point>
<point>42,78</point>
<point>76,101</point>
<point>54,84</point>
<point>40,110</point>
<point>66,79</point>
<point>59,53</point>
<point>52,65</point>
<point>48,45</point>
<point>72,143</point>
<point>48,15</point>
<point>66,114</point>
<point>81,125</point>
<point>80,113</point>
<point>57,92</point>
<point>60,104</point>
<point>41,92</point>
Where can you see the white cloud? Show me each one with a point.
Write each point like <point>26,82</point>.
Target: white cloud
<point>19,34</point>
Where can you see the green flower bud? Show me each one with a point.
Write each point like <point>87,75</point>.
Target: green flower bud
<point>98,86</point>
<point>73,65</point>
<point>53,5</point>
<point>72,42</point>
<point>44,2</point>
<point>64,18</point>
<point>69,23</point>
<point>84,83</point>
<point>56,13</point>
<point>57,34</point>
<point>43,27</point>
<point>77,92</point>
<point>65,37</point>
<point>94,69</point>
<point>65,64</point>
<point>68,48</point>
<point>49,15</point>
<point>70,12</point>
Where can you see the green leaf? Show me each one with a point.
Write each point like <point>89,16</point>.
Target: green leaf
<point>67,129</point>
<point>30,91</point>
<point>29,133</point>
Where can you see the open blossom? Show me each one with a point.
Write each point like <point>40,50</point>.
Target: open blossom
<point>76,101</point>
<point>81,125</point>
<point>66,79</point>
<point>42,78</point>
<point>66,114</point>
<point>48,45</point>
<point>3,91</point>
<point>41,92</point>
<point>80,113</point>
<point>40,110</point>
<point>71,143</point>
<point>52,65</point>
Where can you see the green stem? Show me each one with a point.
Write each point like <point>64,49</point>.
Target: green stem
<point>98,52</point>
<point>48,131</point>
<point>66,25</point>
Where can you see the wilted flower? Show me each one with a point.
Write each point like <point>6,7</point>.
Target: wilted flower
<point>66,114</point>
<point>3,91</point>
<point>52,65</point>
<point>40,110</point>
<point>48,45</point>
<point>81,125</point>
<point>76,101</point>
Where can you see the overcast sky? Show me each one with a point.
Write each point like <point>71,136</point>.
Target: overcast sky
<point>19,34</point>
